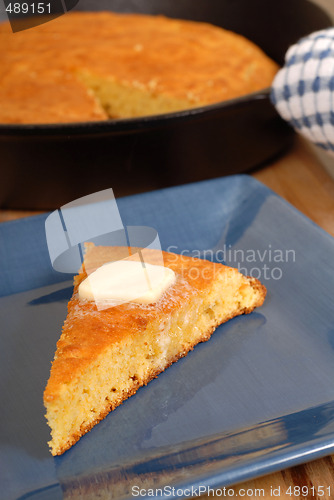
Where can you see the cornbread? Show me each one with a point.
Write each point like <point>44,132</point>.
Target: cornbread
<point>87,66</point>
<point>104,356</point>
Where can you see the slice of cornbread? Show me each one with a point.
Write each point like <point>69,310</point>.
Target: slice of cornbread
<point>104,356</point>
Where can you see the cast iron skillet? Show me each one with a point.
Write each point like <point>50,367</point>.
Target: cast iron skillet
<point>45,166</point>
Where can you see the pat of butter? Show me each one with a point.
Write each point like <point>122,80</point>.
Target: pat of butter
<point>126,281</point>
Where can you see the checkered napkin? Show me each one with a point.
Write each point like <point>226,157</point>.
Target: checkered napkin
<point>303,90</point>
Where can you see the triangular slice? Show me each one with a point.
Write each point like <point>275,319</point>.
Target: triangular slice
<point>104,356</point>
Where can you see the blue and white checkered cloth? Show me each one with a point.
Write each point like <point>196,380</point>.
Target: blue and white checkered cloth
<point>303,90</point>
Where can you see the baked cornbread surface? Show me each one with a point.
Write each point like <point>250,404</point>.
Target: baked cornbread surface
<point>104,356</point>
<point>87,66</point>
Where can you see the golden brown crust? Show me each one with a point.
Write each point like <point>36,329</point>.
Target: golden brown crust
<point>41,70</point>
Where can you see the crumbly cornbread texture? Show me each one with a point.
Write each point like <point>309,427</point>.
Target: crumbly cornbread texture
<point>104,356</point>
<point>87,66</point>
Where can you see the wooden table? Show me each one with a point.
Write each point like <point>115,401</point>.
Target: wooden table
<point>300,178</point>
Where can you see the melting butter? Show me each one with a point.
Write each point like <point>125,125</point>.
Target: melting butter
<point>127,281</point>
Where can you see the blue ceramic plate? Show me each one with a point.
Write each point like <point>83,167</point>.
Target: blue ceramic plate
<point>258,397</point>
